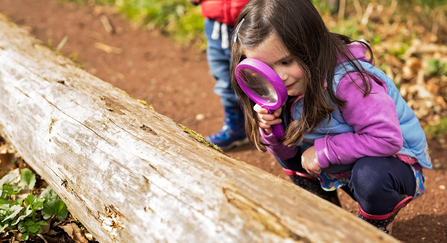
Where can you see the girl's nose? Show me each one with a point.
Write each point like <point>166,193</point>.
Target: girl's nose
<point>281,73</point>
<point>283,76</point>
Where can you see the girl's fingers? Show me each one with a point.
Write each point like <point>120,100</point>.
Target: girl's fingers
<point>277,112</point>
<point>266,117</point>
<point>269,119</point>
<point>266,120</point>
<point>267,124</point>
<point>264,126</point>
<point>260,110</point>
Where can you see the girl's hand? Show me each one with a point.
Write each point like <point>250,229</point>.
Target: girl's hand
<point>266,120</point>
<point>309,162</point>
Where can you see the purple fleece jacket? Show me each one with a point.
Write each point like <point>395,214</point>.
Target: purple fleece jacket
<point>373,118</point>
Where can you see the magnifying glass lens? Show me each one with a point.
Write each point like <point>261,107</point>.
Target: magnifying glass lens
<point>259,85</point>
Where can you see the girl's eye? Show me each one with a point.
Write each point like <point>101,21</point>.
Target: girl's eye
<point>287,62</point>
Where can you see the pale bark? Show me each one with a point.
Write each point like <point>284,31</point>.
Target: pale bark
<point>132,175</point>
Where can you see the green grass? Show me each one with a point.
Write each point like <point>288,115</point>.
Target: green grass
<point>433,131</point>
<point>177,18</point>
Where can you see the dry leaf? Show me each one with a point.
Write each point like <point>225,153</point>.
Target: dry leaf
<point>46,228</point>
<point>74,232</point>
<point>431,85</point>
<point>429,38</point>
<point>411,67</point>
<point>440,101</point>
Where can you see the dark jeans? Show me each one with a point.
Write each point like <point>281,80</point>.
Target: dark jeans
<point>376,183</point>
<point>219,60</point>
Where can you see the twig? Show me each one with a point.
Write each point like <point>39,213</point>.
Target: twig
<point>341,11</point>
<point>358,9</point>
<point>61,44</point>
<point>367,13</point>
<point>106,23</point>
<point>107,48</point>
<point>43,238</point>
<point>392,7</point>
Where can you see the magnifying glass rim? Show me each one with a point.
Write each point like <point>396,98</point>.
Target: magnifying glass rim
<point>270,75</point>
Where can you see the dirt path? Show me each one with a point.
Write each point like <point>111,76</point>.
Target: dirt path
<point>177,83</point>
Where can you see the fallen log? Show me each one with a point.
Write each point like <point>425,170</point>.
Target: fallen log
<point>130,174</point>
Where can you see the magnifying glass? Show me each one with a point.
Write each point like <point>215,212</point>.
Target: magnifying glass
<point>263,86</point>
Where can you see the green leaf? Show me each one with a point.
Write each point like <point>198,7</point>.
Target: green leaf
<point>436,67</point>
<point>10,189</point>
<point>19,201</point>
<point>21,227</point>
<point>58,208</point>
<point>15,210</point>
<point>27,213</point>
<point>31,227</point>
<point>7,178</point>
<point>62,211</point>
<point>25,236</point>
<point>34,202</point>
<point>49,194</point>
<point>5,202</point>
<point>42,223</point>
<point>27,177</point>
<point>53,205</point>
<point>34,228</point>
<point>46,213</point>
<point>29,223</point>
<point>30,199</point>
<point>38,204</point>
<point>3,227</point>
<point>6,189</point>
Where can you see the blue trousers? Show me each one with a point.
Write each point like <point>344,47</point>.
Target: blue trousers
<point>376,183</point>
<point>219,60</point>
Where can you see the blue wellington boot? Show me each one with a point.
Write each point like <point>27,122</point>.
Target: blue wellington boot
<point>232,133</point>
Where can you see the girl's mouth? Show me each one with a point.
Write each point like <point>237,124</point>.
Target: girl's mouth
<point>289,86</point>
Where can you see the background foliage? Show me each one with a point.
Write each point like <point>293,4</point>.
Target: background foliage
<point>177,18</point>
<point>407,38</point>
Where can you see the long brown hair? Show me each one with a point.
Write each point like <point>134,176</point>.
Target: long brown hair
<point>316,50</point>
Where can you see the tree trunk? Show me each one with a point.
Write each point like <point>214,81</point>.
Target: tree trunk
<point>130,174</point>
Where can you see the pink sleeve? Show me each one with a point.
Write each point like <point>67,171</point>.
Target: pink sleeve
<point>274,147</point>
<point>375,122</point>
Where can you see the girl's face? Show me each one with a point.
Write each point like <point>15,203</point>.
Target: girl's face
<point>274,53</point>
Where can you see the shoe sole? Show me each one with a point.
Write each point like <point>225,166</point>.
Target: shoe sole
<point>235,144</point>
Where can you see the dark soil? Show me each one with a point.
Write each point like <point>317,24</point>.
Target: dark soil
<point>176,81</point>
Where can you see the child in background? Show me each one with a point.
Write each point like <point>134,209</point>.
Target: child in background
<point>220,16</point>
<point>346,125</point>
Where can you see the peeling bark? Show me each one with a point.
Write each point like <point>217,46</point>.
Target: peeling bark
<point>130,174</point>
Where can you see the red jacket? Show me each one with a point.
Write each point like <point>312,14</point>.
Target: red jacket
<point>224,11</point>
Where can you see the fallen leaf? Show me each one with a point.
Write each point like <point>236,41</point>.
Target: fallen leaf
<point>46,228</point>
<point>411,67</point>
<point>74,232</point>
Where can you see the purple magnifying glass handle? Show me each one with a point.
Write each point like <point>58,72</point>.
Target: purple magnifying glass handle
<point>278,131</point>
<point>263,86</point>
